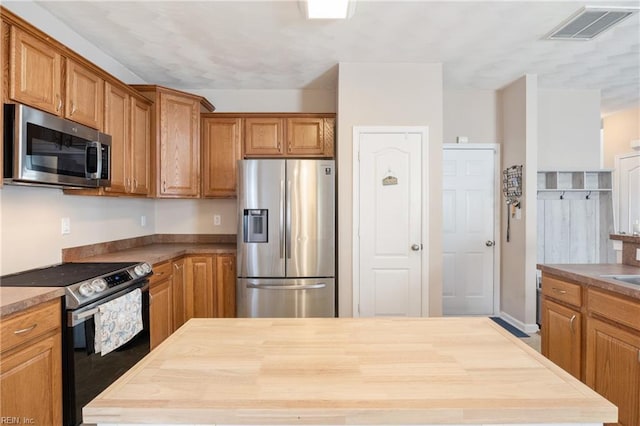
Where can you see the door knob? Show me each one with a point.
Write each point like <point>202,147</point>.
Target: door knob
<point>415,247</point>
<point>489,243</point>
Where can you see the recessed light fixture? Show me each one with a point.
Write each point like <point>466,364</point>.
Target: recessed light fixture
<point>589,22</point>
<point>329,9</point>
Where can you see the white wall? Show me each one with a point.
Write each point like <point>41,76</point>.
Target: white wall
<point>377,94</point>
<point>30,221</point>
<point>195,216</point>
<point>475,114</point>
<point>619,130</point>
<point>309,101</point>
<point>568,129</point>
<point>518,257</point>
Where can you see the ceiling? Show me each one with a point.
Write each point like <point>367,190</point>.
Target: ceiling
<point>269,45</point>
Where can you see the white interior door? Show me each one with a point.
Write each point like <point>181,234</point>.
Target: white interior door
<point>389,216</point>
<point>628,172</point>
<point>469,231</point>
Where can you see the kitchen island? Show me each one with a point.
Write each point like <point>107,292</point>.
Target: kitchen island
<point>429,371</point>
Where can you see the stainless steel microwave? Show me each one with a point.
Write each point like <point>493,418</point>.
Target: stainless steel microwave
<point>43,149</point>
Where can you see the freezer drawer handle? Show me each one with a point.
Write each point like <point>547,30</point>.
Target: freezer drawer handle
<point>286,287</point>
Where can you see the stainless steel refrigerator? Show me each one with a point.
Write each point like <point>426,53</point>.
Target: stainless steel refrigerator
<point>286,238</point>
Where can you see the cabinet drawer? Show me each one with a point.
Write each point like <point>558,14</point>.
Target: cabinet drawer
<point>161,272</point>
<point>29,324</point>
<point>562,291</point>
<point>615,308</point>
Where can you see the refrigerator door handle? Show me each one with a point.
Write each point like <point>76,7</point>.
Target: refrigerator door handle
<point>288,219</point>
<point>282,207</point>
<point>286,287</point>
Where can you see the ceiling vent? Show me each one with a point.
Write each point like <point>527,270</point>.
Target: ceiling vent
<point>589,22</point>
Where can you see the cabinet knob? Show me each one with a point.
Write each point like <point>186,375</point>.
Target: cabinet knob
<point>489,243</point>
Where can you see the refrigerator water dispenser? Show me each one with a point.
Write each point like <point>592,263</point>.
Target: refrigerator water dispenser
<point>255,225</point>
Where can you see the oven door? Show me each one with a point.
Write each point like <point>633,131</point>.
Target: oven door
<point>88,373</point>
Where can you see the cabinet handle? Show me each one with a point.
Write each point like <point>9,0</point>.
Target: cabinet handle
<point>571,323</point>
<point>135,184</point>
<point>59,107</point>
<point>164,186</point>
<point>25,330</point>
<point>557,290</point>
<point>128,184</point>
<point>73,108</point>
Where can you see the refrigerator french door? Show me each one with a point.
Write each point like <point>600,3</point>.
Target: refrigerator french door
<point>286,238</point>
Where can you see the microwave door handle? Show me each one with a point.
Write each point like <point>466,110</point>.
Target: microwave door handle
<point>87,153</point>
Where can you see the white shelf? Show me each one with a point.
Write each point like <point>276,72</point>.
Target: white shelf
<point>590,180</point>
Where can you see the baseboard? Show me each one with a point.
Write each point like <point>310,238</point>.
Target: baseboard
<point>527,328</point>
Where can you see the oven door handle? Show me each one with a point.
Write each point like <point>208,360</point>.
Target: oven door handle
<point>80,315</point>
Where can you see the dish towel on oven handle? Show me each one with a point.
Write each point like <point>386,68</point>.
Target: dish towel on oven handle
<point>118,321</point>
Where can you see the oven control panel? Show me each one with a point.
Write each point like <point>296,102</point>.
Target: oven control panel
<point>95,288</point>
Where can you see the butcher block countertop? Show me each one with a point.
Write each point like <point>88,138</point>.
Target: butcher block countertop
<point>429,371</point>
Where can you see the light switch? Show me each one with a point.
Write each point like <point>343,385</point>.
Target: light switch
<point>143,221</point>
<point>216,220</point>
<point>637,254</point>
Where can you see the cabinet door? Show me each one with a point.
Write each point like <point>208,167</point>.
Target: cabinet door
<point>200,286</point>
<point>305,136</point>
<point>85,91</point>
<point>36,73</point>
<point>179,294</point>
<point>561,336</point>
<point>179,146</point>
<point>226,286</point>
<point>263,137</point>
<point>31,382</point>
<point>613,368</point>
<point>220,155</point>
<point>140,147</point>
<point>116,124</point>
<point>160,311</point>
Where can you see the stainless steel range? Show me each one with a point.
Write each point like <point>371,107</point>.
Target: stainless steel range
<point>88,286</point>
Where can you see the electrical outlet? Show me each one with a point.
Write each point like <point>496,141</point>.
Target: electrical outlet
<point>143,221</point>
<point>65,226</point>
<point>216,220</point>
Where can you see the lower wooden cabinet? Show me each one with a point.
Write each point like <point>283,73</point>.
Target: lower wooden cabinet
<point>225,286</point>
<point>562,341</point>
<point>598,341</point>
<point>160,304</point>
<point>193,286</point>
<point>200,280</point>
<point>613,368</point>
<point>179,294</point>
<point>31,365</point>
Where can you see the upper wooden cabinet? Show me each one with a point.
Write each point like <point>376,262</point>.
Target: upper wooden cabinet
<point>175,141</point>
<point>116,124</point>
<point>84,95</point>
<point>290,135</point>
<point>221,138</point>
<point>264,137</point>
<point>310,137</point>
<point>128,121</point>
<point>35,70</point>
<point>140,151</point>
